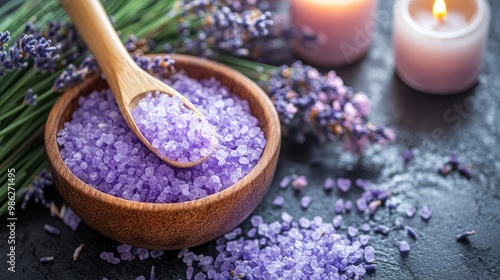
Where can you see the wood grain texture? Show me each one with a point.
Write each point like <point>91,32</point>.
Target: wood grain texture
<point>128,82</point>
<point>168,225</point>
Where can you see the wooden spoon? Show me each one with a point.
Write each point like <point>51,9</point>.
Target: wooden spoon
<point>128,82</point>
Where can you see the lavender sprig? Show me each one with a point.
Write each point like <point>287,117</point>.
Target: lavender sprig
<point>310,101</point>
<point>219,29</point>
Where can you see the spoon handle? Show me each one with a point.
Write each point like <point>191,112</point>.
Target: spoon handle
<point>95,28</point>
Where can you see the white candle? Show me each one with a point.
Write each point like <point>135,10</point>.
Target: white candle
<point>343,28</point>
<point>439,44</point>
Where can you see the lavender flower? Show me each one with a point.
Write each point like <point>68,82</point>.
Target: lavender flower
<point>309,101</point>
<point>464,235</point>
<point>223,29</point>
<point>30,98</point>
<point>35,190</point>
<point>4,38</point>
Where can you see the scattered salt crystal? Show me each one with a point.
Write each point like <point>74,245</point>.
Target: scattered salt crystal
<point>361,204</point>
<point>348,205</point>
<point>363,184</point>
<point>352,231</point>
<point>410,211</point>
<point>425,212</point>
<point>71,219</point>
<point>344,184</point>
<point>329,184</point>
<point>404,246</point>
<point>339,205</point>
<point>278,201</point>
<point>256,220</point>
<point>305,201</point>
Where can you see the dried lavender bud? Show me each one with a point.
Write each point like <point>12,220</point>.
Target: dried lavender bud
<point>381,229</point>
<point>46,259</point>
<point>152,274</point>
<point>445,170</point>
<point>373,206</point>
<point>52,230</point>
<point>370,267</point>
<point>156,253</point>
<point>77,252</point>
<point>141,277</point>
<point>464,235</point>
<point>464,171</point>
<point>453,161</point>
<point>412,233</point>
<point>54,211</point>
<point>384,195</point>
<point>404,247</point>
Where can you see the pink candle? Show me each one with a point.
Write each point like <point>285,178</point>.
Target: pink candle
<point>439,44</point>
<point>343,28</point>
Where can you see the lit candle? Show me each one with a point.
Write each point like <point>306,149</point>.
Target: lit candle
<point>343,30</point>
<point>439,44</point>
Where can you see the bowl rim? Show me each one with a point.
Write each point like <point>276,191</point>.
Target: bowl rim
<point>271,150</point>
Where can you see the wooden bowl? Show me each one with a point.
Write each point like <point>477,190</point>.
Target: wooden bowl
<point>168,226</point>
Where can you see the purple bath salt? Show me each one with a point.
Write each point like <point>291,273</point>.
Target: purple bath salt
<point>71,219</point>
<point>410,211</point>
<point>99,148</point>
<point>352,231</point>
<point>305,201</point>
<point>336,221</point>
<point>363,184</point>
<point>365,227</point>
<point>313,251</point>
<point>361,204</point>
<point>344,184</point>
<point>339,205</point>
<point>285,181</point>
<point>348,205</point>
<point>174,130</point>
<point>404,246</point>
<point>278,201</point>
<point>329,184</point>
<point>425,212</point>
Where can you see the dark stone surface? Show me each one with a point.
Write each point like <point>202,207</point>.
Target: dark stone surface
<point>458,204</point>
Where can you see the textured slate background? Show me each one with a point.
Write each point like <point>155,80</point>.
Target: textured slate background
<point>459,204</point>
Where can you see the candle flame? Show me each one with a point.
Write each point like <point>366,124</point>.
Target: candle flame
<point>439,10</point>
